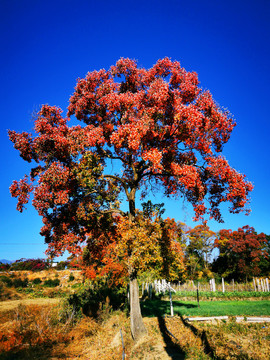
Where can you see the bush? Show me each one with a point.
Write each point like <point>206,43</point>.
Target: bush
<point>6,280</point>
<point>18,282</point>
<point>37,281</point>
<point>71,277</point>
<point>97,300</point>
<point>51,282</point>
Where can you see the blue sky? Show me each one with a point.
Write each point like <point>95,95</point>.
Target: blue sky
<point>47,45</point>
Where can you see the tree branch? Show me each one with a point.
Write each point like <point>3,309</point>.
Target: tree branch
<point>117,178</point>
<point>113,211</point>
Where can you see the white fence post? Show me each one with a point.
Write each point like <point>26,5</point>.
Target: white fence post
<point>258,284</point>
<point>267,284</point>
<point>171,304</point>
<point>223,286</point>
<point>263,285</point>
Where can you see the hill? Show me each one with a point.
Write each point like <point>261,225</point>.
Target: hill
<point>4,261</point>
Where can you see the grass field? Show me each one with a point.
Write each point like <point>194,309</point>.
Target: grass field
<point>207,308</point>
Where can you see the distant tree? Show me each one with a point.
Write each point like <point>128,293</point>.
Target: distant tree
<point>199,248</point>
<point>264,264</point>
<point>158,125</point>
<point>4,266</point>
<point>30,264</point>
<point>62,265</point>
<point>150,209</point>
<point>240,253</point>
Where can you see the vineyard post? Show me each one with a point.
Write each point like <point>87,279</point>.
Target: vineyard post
<point>171,304</point>
<point>254,285</point>
<point>198,299</point>
<point>223,285</point>
<point>267,284</point>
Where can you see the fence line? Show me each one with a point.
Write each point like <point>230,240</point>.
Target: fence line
<point>161,286</point>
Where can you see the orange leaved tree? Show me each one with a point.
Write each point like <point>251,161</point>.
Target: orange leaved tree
<point>160,129</point>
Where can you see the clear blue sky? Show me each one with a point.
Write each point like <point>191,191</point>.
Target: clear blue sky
<point>47,45</point>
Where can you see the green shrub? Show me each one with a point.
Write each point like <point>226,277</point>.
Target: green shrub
<point>6,280</point>
<point>37,281</point>
<point>71,277</point>
<point>20,283</point>
<point>51,282</point>
<point>98,300</point>
<point>68,313</point>
<point>76,285</point>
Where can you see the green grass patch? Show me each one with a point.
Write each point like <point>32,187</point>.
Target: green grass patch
<point>207,308</point>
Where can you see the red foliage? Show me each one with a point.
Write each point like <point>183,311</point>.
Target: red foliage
<point>30,264</point>
<point>244,248</point>
<point>158,123</point>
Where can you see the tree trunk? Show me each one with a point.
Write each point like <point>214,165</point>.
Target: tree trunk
<point>136,322</point>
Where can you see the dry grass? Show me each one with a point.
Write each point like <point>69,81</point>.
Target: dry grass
<point>12,304</point>
<point>34,331</point>
<point>231,340</point>
<point>62,275</point>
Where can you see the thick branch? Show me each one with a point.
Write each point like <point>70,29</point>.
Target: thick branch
<point>113,211</point>
<point>117,178</point>
<point>108,154</point>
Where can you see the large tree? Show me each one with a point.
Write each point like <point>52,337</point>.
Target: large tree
<point>162,131</point>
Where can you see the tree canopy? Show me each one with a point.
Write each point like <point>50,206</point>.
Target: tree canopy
<point>166,133</point>
<point>158,123</point>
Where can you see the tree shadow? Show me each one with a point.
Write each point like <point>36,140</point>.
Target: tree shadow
<point>173,349</point>
<point>33,353</point>
<point>202,335</point>
<point>156,308</point>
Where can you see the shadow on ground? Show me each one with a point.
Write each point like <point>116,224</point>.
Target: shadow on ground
<point>173,349</point>
<point>31,353</point>
<point>156,308</point>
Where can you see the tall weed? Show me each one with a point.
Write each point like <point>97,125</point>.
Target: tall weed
<point>30,327</point>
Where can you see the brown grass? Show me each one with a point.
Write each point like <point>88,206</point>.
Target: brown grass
<point>249,341</point>
<point>33,331</point>
<point>62,275</point>
<point>12,304</point>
